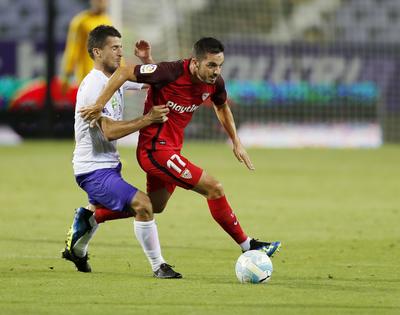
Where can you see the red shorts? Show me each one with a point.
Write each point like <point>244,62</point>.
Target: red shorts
<point>168,169</point>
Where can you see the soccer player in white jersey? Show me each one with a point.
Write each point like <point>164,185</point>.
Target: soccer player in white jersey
<point>96,162</point>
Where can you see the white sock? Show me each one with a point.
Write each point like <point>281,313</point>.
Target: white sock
<point>246,244</point>
<point>81,246</point>
<point>147,235</point>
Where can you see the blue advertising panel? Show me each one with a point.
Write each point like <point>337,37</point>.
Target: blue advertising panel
<point>25,59</point>
<point>8,58</point>
<point>271,75</point>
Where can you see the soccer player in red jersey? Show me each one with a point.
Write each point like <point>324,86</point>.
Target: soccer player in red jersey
<point>183,86</point>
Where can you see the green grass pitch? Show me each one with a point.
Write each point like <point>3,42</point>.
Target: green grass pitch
<point>337,213</point>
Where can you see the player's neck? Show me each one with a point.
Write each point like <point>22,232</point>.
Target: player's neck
<point>102,69</point>
<point>193,72</point>
<point>97,12</point>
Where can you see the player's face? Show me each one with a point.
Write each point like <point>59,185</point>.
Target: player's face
<point>111,54</point>
<point>209,68</point>
<point>99,6</point>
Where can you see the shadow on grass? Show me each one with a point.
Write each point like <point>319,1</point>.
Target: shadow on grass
<point>267,305</point>
<point>117,244</point>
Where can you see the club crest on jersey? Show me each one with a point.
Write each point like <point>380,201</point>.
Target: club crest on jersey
<point>186,174</point>
<point>144,69</point>
<point>114,102</point>
<point>205,96</point>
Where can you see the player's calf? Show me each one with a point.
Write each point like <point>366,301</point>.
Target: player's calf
<point>159,199</point>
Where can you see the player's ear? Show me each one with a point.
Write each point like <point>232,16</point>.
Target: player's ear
<point>196,62</point>
<point>96,52</point>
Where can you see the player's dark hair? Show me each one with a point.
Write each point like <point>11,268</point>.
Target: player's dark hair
<point>207,45</point>
<point>98,36</point>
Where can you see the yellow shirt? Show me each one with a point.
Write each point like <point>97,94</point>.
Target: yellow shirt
<point>76,59</point>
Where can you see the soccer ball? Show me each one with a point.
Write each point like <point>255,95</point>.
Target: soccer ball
<point>253,266</point>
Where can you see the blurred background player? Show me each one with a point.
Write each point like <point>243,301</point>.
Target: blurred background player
<point>184,85</point>
<point>76,62</point>
<point>96,161</point>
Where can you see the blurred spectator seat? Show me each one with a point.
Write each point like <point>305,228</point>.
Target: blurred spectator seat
<point>368,21</point>
<point>26,19</point>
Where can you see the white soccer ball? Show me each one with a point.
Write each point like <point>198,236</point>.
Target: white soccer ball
<point>253,266</point>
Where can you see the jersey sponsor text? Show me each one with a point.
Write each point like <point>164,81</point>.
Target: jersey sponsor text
<point>181,109</point>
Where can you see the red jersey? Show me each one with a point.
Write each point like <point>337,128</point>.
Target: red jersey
<point>171,84</point>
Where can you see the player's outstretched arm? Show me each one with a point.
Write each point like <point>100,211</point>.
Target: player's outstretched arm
<point>143,52</point>
<point>114,130</point>
<point>225,117</point>
<point>120,76</point>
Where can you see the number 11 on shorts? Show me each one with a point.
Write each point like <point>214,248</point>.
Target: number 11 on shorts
<point>173,161</point>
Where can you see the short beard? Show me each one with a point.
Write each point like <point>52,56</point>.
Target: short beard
<point>109,69</point>
<point>200,77</point>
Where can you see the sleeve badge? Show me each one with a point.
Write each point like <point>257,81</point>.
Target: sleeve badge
<point>145,69</point>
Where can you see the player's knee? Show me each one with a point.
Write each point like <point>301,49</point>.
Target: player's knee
<point>209,187</point>
<point>143,211</point>
<point>141,204</point>
<point>216,190</point>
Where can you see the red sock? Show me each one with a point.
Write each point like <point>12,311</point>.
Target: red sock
<point>104,214</point>
<point>222,213</point>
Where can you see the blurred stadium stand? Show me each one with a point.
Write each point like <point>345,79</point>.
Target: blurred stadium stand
<point>23,28</point>
<point>26,19</point>
<point>288,62</point>
<point>375,21</point>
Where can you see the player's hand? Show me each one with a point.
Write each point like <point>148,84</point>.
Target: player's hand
<point>158,114</point>
<point>143,51</point>
<point>242,155</point>
<point>91,113</point>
